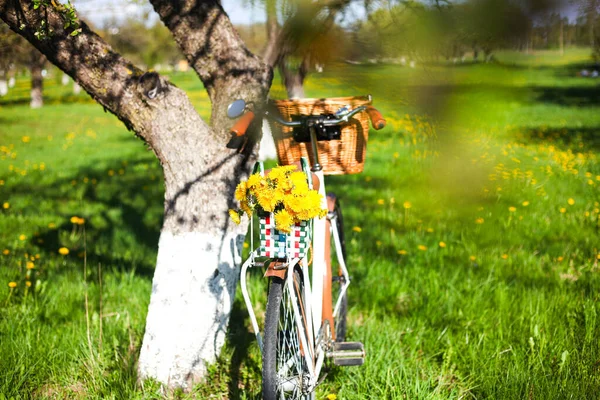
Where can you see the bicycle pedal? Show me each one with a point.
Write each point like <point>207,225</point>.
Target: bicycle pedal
<point>348,362</point>
<point>348,353</point>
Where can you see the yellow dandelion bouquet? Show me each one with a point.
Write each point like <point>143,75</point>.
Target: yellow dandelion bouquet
<point>284,203</point>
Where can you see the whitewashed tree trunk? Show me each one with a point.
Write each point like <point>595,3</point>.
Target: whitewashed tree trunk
<point>191,302</point>
<point>267,150</point>
<point>37,87</point>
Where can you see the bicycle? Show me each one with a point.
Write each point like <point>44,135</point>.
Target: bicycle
<point>305,319</point>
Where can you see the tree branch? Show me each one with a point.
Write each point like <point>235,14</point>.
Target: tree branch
<point>109,78</point>
<point>213,48</point>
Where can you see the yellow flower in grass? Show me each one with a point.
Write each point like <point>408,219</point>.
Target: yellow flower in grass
<point>235,216</point>
<point>563,210</point>
<point>28,283</point>
<point>407,205</point>
<point>472,258</point>
<point>479,221</point>
<point>6,205</point>
<point>402,252</point>
<point>421,247</point>
<point>63,251</point>
<point>12,285</point>
<point>283,221</point>
<point>77,221</point>
<point>525,203</point>
<point>571,202</point>
<point>442,245</point>
<point>560,258</point>
<point>357,229</point>
<point>512,209</point>
<point>30,265</point>
<point>22,237</point>
<point>6,252</point>
<point>504,256</point>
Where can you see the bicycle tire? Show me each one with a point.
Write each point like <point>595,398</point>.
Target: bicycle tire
<point>340,321</point>
<point>282,354</point>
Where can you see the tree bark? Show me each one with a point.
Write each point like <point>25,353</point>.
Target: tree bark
<point>199,247</point>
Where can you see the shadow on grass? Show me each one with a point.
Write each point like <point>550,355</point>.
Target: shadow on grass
<point>585,96</point>
<point>123,227</point>
<point>568,137</point>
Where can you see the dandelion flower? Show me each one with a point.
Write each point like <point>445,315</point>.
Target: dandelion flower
<point>51,225</point>
<point>512,209</point>
<point>560,258</point>
<point>283,221</point>
<point>12,285</point>
<point>357,229</point>
<point>25,139</point>
<point>571,202</point>
<point>30,265</point>
<point>22,237</point>
<point>6,205</point>
<point>504,256</point>
<point>442,245</point>
<point>429,230</point>
<point>472,258</point>
<point>407,205</point>
<point>246,245</point>
<point>563,210</point>
<point>381,202</point>
<point>63,251</point>
<point>525,203</point>
<point>331,396</point>
<point>235,216</point>
<point>421,247</point>
<point>402,252</point>
<point>28,283</point>
<point>479,221</point>
<point>6,252</point>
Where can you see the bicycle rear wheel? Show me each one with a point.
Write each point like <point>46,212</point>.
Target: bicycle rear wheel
<point>285,373</point>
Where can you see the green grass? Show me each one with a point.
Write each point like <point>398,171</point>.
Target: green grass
<point>473,239</point>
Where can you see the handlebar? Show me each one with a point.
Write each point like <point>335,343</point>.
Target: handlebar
<point>326,122</point>
<point>377,120</point>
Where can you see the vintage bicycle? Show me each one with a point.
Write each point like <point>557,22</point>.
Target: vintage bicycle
<point>305,318</point>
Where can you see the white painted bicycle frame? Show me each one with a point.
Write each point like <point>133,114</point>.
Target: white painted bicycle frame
<point>313,337</point>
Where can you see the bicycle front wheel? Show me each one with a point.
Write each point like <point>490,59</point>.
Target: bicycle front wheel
<point>285,373</point>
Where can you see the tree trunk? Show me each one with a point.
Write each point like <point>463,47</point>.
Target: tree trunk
<point>3,83</point>
<point>37,80</point>
<point>293,79</point>
<point>198,256</point>
<point>561,38</point>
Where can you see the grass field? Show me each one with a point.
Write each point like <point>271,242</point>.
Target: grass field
<point>473,238</point>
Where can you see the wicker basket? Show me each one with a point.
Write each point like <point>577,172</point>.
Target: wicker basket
<point>344,156</point>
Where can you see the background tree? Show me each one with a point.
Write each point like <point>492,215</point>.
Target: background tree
<point>199,248</point>
<point>308,36</point>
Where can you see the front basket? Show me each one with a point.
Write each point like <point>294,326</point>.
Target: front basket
<point>341,156</point>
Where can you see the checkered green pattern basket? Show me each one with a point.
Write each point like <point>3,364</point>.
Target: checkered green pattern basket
<point>277,244</point>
